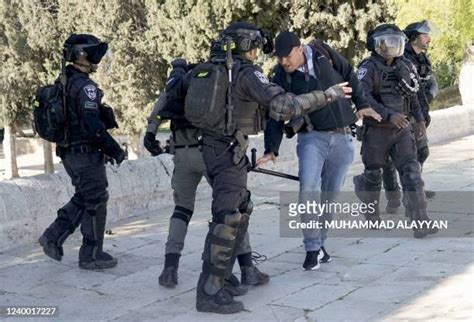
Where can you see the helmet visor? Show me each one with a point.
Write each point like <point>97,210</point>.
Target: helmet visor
<point>95,52</point>
<point>106,63</point>
<point>389,46</point>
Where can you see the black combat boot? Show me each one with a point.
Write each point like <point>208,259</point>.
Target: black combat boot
<point>430,194</point>
<point>92,257</point>
<point>51,248</point>
<point>234,287</point>
<point>421,215</point>
<point>169,275</point>
<point>252,276</point>
<point>221,302</point>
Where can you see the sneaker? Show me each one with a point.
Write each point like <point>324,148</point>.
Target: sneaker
<point>323,256</point>
<point>311,262</point>
<point>51,249</point>
<point>103,261</point>
<point>169,277</point>
<point>252,276</point>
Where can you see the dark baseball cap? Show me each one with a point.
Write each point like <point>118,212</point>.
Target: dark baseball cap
<point>285,42</point>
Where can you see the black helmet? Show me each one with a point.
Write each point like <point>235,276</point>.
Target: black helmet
<point>84,44</point>
<point>387,40</point>
<point>370,40</point>
<point>416,28</point>
<point>246,36</point>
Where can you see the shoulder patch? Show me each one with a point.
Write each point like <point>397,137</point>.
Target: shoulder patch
<point>90,105</point>
<point>361,72</point>
<point>91,91</point>
<point>262,78</point>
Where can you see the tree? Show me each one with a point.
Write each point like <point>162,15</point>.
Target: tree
<point>183,28</point>
<point>454,22</point>
<point>145,35</point>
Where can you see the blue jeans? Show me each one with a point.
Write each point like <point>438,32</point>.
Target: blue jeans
<point>324,158</point>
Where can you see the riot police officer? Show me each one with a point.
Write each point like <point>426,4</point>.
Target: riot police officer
<point>418,34</point>
<point>226,140</point>
<point>391,84</point>
<point>188,171</point>
<point>82,153</point>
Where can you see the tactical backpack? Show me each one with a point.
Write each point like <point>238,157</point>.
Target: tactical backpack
<point>49,113</point>
<point>205,103</point>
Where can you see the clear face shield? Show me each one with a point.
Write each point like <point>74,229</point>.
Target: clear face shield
<point>389,45</point>
<point>106,63</point>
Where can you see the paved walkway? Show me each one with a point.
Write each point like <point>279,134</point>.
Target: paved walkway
<point>369,278</point>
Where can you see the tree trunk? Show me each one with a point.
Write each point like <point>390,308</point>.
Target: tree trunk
<point>48,157</point>
<point>9,149</point>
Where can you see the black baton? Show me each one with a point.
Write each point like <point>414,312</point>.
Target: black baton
<point>269,172</point>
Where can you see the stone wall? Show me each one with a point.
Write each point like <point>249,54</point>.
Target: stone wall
<point>28,205</point>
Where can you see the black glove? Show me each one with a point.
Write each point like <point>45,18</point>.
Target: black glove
<point>111,148</point>
<point>267,40</point>
<point>427,119</point>
<point>151,144</point>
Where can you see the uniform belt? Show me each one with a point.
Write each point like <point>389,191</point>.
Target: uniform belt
<point>343,130</point>
<point>82,149</point>
<point>187,146</point>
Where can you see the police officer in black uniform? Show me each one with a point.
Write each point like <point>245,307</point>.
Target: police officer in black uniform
<point>391,84</point>
<point>82,153</point>
<point>418,34</point>
<point>189,169</point>
<point>224,152</point>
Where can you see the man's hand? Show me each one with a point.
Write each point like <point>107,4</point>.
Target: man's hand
<point>338,91</point>
<point>399,120</point>
<point>265,158</point>
<point>421,131</point>
<point>368,112</point>
<point>151,144</point>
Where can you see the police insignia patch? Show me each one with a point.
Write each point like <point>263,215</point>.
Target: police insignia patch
<point>91,92</point>
<point>361,73</point>
<point>262,78</point>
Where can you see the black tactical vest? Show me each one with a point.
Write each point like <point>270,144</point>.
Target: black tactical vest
<point>385,82</point>
<point>247,116</point>
<point>422,64</point>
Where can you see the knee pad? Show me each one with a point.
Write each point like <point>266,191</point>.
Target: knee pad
<point>412,166</point>
<point>246,207</point>
<point>411,177</point>
<point>232,220</point>
<point>423,154</point>
<point>372,178</point>
<point>182,214</point>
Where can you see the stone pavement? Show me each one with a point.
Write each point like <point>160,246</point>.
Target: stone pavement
<point>369,278</point>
